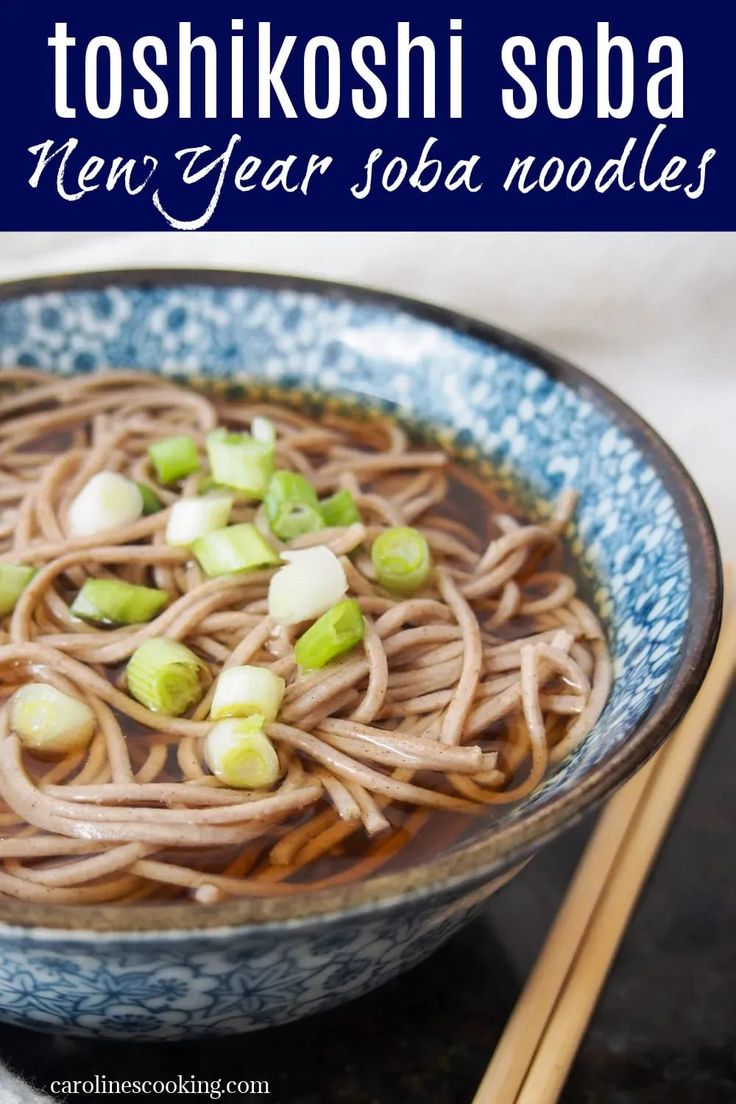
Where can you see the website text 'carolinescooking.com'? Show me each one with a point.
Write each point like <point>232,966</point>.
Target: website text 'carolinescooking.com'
<point>215,1089</point>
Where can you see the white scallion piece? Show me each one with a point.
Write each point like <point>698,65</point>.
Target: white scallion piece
<point>191,518</point>
<point>107,501</point>
<point>240,754</point>
<point>49,722</point>
<point>243,691</point>
<point>312,582</point>
<point>263,430</point>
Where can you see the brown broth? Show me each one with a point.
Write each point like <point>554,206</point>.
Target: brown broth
<point>470,501</point>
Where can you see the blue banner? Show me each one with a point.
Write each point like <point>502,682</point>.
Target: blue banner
<point>462,116</point>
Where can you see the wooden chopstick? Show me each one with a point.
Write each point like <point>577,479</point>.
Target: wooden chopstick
<point>535,1052</point>
<point>508,1068</point>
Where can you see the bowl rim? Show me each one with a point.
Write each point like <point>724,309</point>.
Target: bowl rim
<point>482,859</point>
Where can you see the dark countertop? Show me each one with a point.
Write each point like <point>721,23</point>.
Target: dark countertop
<point>664,1032</point>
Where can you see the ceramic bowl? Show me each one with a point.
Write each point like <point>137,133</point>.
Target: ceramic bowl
<point>642,538</point>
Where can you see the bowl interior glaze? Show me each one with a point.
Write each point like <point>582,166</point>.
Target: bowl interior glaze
<point>642,536</point>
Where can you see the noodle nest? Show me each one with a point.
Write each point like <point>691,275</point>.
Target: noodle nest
<point>458,698</point>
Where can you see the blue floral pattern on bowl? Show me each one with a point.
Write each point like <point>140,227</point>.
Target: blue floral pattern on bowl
<point>221,984</point>
<point>484,400</point>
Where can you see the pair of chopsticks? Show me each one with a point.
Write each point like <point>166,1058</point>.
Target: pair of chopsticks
<point>538,1046</point>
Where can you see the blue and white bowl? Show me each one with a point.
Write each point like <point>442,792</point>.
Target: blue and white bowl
<point>642,537</point>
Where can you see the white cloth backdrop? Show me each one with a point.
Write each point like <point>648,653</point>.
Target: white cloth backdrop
<point>651,315</point>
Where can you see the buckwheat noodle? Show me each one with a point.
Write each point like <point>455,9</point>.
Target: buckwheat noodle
<point>459,698</point>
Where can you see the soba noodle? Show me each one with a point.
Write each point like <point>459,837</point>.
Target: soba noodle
<point>458,698</point>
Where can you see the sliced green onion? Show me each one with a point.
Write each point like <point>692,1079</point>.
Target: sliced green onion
<point>291,505</point>
<point>239,753</point>
<point>243,691</point>
<point>339,509</point>
<point>311,583</point>
<point>165,676</point>
<point>207,485</point>
<point>263,430</point>
<point>49,722</point>
<point>174,458</point>
<point>235,548</point>
<point>14,578</point>
<point>152,504</point>
<point>240,462</point>
<point>107,501</point>
<point>336,632</point>
<point>114,602</point>
<point>401,559</point>
<point>191,518</point>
